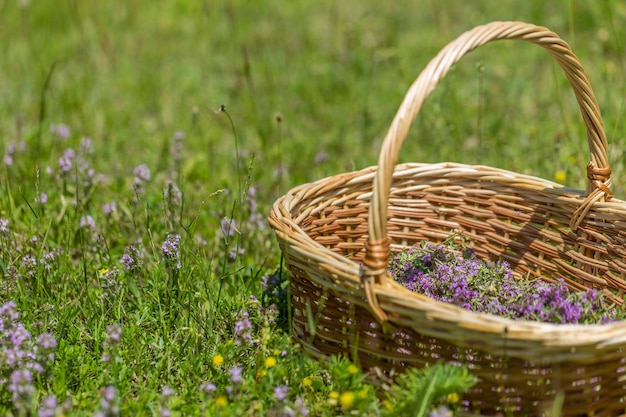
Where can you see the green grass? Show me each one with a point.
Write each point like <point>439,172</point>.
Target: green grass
<point>297,79</point>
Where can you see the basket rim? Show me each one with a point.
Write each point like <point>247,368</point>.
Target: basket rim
<point>560,336</point>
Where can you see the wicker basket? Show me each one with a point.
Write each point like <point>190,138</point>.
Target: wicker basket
<point>336,235</point>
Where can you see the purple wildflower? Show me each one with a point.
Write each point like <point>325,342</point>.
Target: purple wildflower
<point>61,131</point>
<point>45,346</point>
<point>48,407</point>
<point>8,154</point>
<point>127,260</point>
<point>47,260</point>
<point>274,295</point>
<point>109,208</point>
<point>89,174</point>
<point>270,282</point>
<point>110,393</point>
<point>4,226</point>
<point>112,340</point>
<point>87,221</point>
<point>300,407</point>
<point>131,258</point>
<point>66,161</point>
<point>442,411</point>
<point>30,263</point>
<point>113,334</point>
<point>21,388</point>
<point>321,157</point>
<point>235,374</point>
<point>172,193</point>
<point>252,203</point>
<point>208,387</point>
<point>280,171</point>
<point>167,391</point>
<point>234,252</point>
<point>109,284</point>
<point>86,146</point>
<point>10,151</point>
<point>255,219</point>
<point>228,227</point>
<point>258,221</point>
<point>281,392</point>
<point>177,146</point>
<point>42,199</point>
<point>9,311</point>
<point>108,402</point>
<point>12,274</point>
<point>170,251</point>
<point>19,335</point>
<point>142,174</point>
<point>243,329</point>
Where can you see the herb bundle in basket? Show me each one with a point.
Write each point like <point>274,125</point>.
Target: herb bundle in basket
<point>452,273</point>
<point>337,234</point>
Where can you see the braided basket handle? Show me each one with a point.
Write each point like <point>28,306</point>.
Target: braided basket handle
<point>598,170</point>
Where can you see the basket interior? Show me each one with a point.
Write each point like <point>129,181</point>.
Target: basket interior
<point>523,220</point>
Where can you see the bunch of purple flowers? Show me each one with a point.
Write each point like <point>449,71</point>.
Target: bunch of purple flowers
<point>22,358</point>
<point>458,277</point>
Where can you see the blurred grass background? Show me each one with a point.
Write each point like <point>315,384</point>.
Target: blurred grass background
<point>304,77</point>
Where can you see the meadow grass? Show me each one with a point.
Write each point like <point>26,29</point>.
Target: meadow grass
<point>144,143</point>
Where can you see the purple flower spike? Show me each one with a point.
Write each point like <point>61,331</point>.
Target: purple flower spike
<point>170,252</point>
<point>131,258</point>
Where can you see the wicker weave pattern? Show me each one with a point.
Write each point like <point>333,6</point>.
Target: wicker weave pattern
<point>336,235</point>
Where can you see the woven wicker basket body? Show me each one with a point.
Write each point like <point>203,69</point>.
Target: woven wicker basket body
<point>337,233</point>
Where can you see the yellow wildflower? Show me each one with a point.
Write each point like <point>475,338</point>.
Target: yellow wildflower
<point>346,400</point>
<point>218,360</point>
<point>307,382</point>
<point>453,398</point>
<point>270,362</point>
<point>353,369</point>
<point>560,176</point>
<point>221,401</point>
